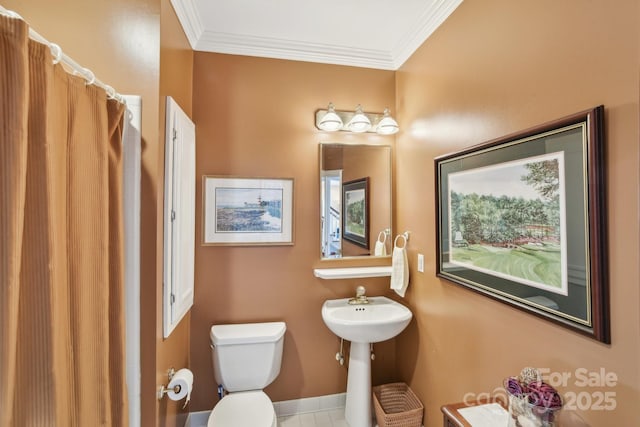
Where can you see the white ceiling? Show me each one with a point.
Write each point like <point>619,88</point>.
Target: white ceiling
<point>363,33</point>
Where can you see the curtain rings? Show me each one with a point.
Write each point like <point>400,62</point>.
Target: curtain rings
<point>13,14</point>
<point>56,51</point>
<point>91,77</point>
<point>86,74</point>
<point>111,92</point>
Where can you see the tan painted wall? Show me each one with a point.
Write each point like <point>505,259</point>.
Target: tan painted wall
<point>493,68</point>
<point>255,117</point>
<point>176,80</point>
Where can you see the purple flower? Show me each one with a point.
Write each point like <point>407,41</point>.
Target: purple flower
<point>543,395</point>
<point>513,386</point>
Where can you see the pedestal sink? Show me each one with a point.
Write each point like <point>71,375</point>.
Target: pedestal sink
<point>362,324</point>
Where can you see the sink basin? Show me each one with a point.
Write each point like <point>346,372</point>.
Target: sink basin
<point>380,320</point>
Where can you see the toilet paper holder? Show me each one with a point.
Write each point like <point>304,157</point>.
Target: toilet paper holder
<point>178,387</point>
<point>164,389</point>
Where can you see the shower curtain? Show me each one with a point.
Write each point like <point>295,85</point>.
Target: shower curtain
<point>61,243</point>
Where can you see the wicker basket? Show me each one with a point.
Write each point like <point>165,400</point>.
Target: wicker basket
<point>397,406</point>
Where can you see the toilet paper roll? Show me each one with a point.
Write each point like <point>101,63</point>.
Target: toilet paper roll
<point>184,380</point>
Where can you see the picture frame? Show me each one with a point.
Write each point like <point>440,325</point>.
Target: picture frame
<point>355,212</point>
<point>522,219</point>
<point>245,211</point>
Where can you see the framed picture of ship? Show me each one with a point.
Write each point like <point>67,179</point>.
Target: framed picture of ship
<point>247,211</point>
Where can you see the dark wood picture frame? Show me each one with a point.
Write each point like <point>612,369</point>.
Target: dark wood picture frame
<point>542,248</point>
<point>355,212</point>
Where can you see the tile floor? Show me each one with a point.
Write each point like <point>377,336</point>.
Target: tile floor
<point>322,411</point>
<point>328,418</point>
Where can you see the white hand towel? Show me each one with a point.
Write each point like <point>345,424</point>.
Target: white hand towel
<point>399,269</point>
<point>381,248</point>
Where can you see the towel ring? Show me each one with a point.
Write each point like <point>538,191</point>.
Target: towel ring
<point>384,237</point>
<point>395,242</point>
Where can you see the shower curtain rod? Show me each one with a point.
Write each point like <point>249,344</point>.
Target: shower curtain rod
<point>60,56</point>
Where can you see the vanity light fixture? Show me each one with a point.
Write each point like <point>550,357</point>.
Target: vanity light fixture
<point>359,122</point>
<point>331,120</point>
<point>388,125</point>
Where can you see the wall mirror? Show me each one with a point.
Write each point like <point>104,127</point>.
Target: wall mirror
<point>355,200</point>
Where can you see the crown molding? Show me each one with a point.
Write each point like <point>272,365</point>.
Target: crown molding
<point>267,47</point>
<point>430,19</point>
<point>189,19</point>
<point>201,39</point>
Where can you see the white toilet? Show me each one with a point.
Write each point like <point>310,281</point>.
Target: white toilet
<point>246,359</point>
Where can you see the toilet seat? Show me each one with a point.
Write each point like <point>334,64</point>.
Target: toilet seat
<point>243,409</point>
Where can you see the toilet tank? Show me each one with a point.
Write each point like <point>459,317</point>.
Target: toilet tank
<point>247,356</point>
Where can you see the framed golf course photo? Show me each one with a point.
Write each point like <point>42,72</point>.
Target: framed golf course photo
<point>355,211</point>
<point>521,219</point>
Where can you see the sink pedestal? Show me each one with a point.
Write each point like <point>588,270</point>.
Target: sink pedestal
<point>357,410</point>
<point>379,320</point>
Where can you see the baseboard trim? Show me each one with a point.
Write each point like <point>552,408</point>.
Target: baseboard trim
<point>310,404</point>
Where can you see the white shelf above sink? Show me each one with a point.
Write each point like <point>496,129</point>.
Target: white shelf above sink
<point>352,272</point>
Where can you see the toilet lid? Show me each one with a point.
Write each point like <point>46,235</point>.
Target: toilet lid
<point>243,409</point>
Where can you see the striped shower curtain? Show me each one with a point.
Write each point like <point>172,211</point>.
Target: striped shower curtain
<point>61,243</point>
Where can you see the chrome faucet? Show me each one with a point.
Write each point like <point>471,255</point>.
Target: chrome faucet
<point>360,297</point>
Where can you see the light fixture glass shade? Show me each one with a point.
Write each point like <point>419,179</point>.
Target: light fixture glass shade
<point>359,122</point>
<point>330,122</point>
<point>387,126</point>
